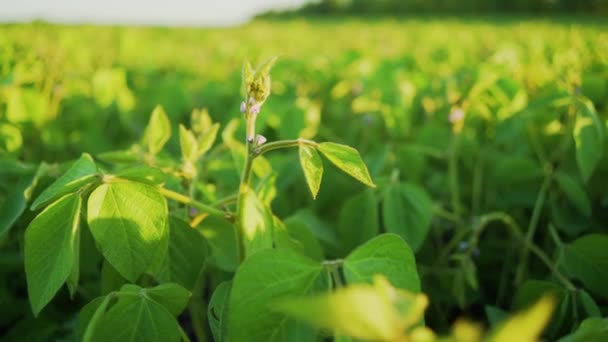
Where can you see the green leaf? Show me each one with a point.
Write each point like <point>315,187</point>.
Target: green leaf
<point>358,221</point>
<point>495,315</point>
<point>312,165</point>
<point>143,174</point>
<point>187,254</point>
<point>188,144</point>
<point>256,224</point>
<point>80,173</point>
<point>348,160</point>
<point>260,280</point>
<point>51,249</point>
<point>589,139</point>
<point>86,314</point>
<point>217,312</point>
<point>17,197</point>
<point>207,139</point>
<point>593,329</point>
<point>172,296</point>
<point>301,233</point>
<point>219,233</point>
<point>129,222</point>
<point>407,211</point>
<point>589,306</point>
<point>575,192</point>
<point>388,255</point>
<point>136,318</point>
<point>586,259</point>
<point>377,313</point>
<point>111,280</point>
<point>158,131</point>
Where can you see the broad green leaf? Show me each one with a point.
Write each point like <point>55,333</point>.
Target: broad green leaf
<point>17,197</point>
<point>219,233</point>
<point>86,314</point>
<point>575,192</point>
<point>207,139</point>
<point>586,259</point>
<point>589,306</point>
<point>495,315</point>
<point>217,312</point>
<point>263,278</point>
<point>172,296</point>
<point>51,249</point>
<point>376,312</point>
<point>407,211</point>
<point>300,232</point>
<point>348,160</point>
<point>158,131</point>
<point>388,255</point>
<point>358,221</point>
<point>186,255</point>
<point>589,139</point>
<point>283,241</point>
<point>143,174</point>
<point>526,325</point>
<point>111,280</point>
<point>136,318</point>
<point>187,143</point>
<point>256,224</point>
<point>80,173</point>
<point>516,169</point>
<point>129,222</point>
<point>312,165</point>
<point>593,329</point>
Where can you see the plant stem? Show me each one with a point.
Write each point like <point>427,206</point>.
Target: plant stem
<point>538,206</point>
<point>453,177</point>
<point>196,204</point>
<point>275,145</point>
<point>226,200</point>
<point>244,187</point>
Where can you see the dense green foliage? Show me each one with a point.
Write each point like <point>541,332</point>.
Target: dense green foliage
<point>463,160</point>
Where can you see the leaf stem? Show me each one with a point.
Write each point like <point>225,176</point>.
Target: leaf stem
<point>453,177</point>
<point>196,204</point>
<point>275,145</point>
<point>538,206</point>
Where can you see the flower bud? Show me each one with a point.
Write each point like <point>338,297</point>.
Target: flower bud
<point>243,107</point>
<point>260,140</point>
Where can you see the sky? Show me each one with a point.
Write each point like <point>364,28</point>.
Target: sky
<point>140,12</point>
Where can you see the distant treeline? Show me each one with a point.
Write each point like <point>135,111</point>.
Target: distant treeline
<point>404,7</point>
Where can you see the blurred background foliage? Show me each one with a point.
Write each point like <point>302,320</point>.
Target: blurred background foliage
<point>386,86</point>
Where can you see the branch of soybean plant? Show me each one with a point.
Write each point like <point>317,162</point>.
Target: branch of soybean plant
<point>225,201</point>
<point>516,231</point>
<point>538,206</point>
<point>453,176</point>
<point>275,145</point>
<point>196,204</point>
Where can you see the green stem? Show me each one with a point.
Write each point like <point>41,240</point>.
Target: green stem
<point>196,204</point>
<point>477,183</point>
<point>225,201</point>
<point>538,206</point>
<point>453,177</point>
<point>244,188</point>
<point>275,145</point>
